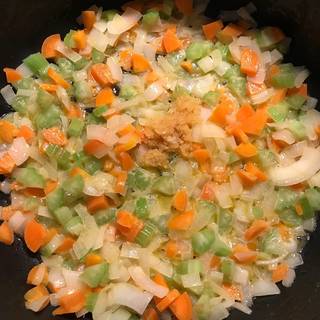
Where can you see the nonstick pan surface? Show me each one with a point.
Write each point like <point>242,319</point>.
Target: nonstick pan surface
<point>23,26</point>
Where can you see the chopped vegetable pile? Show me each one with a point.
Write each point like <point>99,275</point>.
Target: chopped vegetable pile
<point>164,165</point>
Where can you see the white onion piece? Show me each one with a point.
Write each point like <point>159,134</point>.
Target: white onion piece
<point>8,94</point>
<point>118,122</point>
<point>98,40</point>
<point>126,294</point>
<point>206,64</point>
<point>63,97</point>
<point>56,278</point>
<point>24,71</point>
<point>310,225</point>
<point>130,250</point>
<point>99,184</point>
<point>242,307</point>
<point>222,68</point>
<point>19,151</point>
<point>101,25</point>
<point>72,279</point>
<point>38,304</point>
<point>294,260</point>
<point>149,51</point>
<point>143,281</point>
<point>191,280</point>
<point>315,180</point>
<point>67,52</point>
<point>102,134</point>
<point>264,288</point>
<point>222,194</point>
<point>260,77</point>
<point>236,187</point>
<point>100,238</point>
<point>17,222</point>
<point>301,77</point>
<point>262,96</point>
<point>205,113</point>
<point>284,135</point>
<point>311,103</point>
<point>26,92</point>
<point>235,50</point>
<point>39,275</point>
<point>5,187</point>
<point>311,121</point>
<point>161,266</point>
<point>289,279</point>
<point>276,56</point>
<point>294,151</point>
<point>299,171</point>
<point>207,130</point>
<point>121,24</point>
<point>240,275</point>
<point>154,91</point>
<point>115,69</point>
<point>80,75</point>
<point>140,41</point>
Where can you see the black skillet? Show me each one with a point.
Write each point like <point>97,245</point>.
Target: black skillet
<point>23,26</point>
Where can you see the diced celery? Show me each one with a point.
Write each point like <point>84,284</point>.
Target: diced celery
<point>211,98</point>
<point>165,185</point>
<point>257,212</point>
<point>20,105</point>
<point>31,204</point>
<point>74,226</point>
<point>69,40</point>
<point>29,178</point>
<point>91,118</point>
<point>297,128</point>
<point>290,218</point>
<point>206,211</point>
<point>225,220</point>
<point>227,268</point>
<point>99,111</point>
<point>91,301</point>
<point>233,72</point>
<point>219,247</point>
<point>266,38</point>
<point>224,50</point>
<point>63,215</point>
<point>141,209</point>
<point>313,196</point>
<point>105,216</point>
<point>279,112</point>
<point>37,63</point>
<point>308,211</point>
<point>93,276</point>
<point>233,157</point>
<point>44,99</point>
<point>272,243</point>
<point>73,189</point>
<point>138,180</point>
<point>81,64</point>
<point>82,91</point>
<point>147,234</point>
<point>198,50</point>
<point>88,163</point>
<point>286,198</point>
<point>285,78</point>
<point>108,15</point>
<point>134,317</point>
<point>127,92</point>
<point>266,158</point>
<point>75,128</point>
<point>66,68</point>
<point>97,56</point>
<point>178,92</point>
<point>202,241</point>
<point>48,118</point>
<point>55,199</point>
<point>238,86</point>
<point>150,19</point>
<point>52,246</point>
<point>296,101</point>
<point>62,156</point>
<point>25,83</point>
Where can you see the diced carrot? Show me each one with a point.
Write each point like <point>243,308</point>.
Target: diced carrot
<point>80,39</point>
<point>128,225</point>
<point>299,209</point>
<point>139,63</point>
<point>233,291</point>
<point>48,87</point>
<point>249,64</point>
<point>245,112</point>
<point>49,235</point>
<point>101,73</point>
<point>180,200</point>
<point>247,178</point>
<point>130,144</point>
<point>242,254</point>
<point>187,66</point>
<point>171,42</point>
<point>256,123</point>
<point>125,58</point>
<point>73,302</point>
<point>276,33</point>
<point>256,229</point>
<point>120,186</point>
<point>105,97</point>
<point>26,132</point>
<point>77,171</point>
<point>238,133</point>
<point>254,88</point>
<point>284,231</point>
<point>201,155</point>
<point>54,136</point>
<point>93,146</point>
<point>88,19</point>
<point>168,300</point>
<point>171,249</point>
<point>159,279</point>
<point>271,72</point>
<point>182,221</point>
<point>33,192</point>
<point>6,234</point>
<point>302,91</point>
<point>210,30</point>
<point>207,192</point>
<point>246,150</point>
<point>12,75</point>
<point>253,169</point>
<point>34,235</point>
<point>6,213</point>
<point>66,245</point>
<point>150,314</point>
<point>37,294</point>
<point>182,307</point>
<point>220,113</point>
<point>34,277</point>
<point>184,6</point>
<point>49,45</point>
<point>74,112</point>
<point>230,32</point>
<point>92,259</point>
<point>126,130</point>
<point>8,131</point>
<point>126,161</point>
<point>215,262</point>
<point>7,164</point>
<point>57,78</point>
<point>95,204</point>
<point>151,77</point>
<point>280,272</point>
<point>108,165</point>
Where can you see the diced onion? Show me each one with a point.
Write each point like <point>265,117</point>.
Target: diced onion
<point>102,134</point>
<point>101,25</point>
<point>222,193</point>
<point>100,238</point>
<point>129,250</point>
<point>276,56</point>
<point>294,260</point>
<point>38,304</point>
<point>98,40</point>
<point>17,222</point>
<point>207,130</point>
<point>206,64</point>
<point>301,77</point>
<point>236,187</point>
<point>242,307</point>
<point>115,69</point>
<point>311,103</point>
<point>310,225</point>
<point>140,41</point>
<point>262,96</point>
<point>289,279</point>
<point>240,275</point>
<point>8,94</point>
<point>264,288</point>
<point>119,122</point>
<point>26,93</point>
<point>72,279</point>
<point>99,184</point>
<point>162,267</point>
<point>260,77</point>
<point>191,280</point>
<point>284,135</point>
<point>63,97</point>
<point>154,91</point>
<point>67,52</point>
<point>222,68</point>
<point>24,71</point>
<point>80,75</point>
<point>149,51</point>
<point>19,151</point>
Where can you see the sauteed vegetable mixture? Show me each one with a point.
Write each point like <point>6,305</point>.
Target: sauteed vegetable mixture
<point>164,165</point>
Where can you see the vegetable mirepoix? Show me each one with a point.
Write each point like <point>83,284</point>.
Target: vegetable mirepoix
<point>160,167</point>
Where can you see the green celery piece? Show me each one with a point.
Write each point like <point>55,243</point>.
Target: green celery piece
<point>206,212</point>
<point>257,212</point>
<point>37,63</point>
<point>99,111</point>
<point>202,241</point>
<point>271,243</point>
<point>63,215</point>
<point>224,50</point>
<point>48,118</point>
<point>108,15</point>
<point>31,204</point>
<point>92,165</point>
<point>233,157</point>
<point>73,189</point>
<point>279,112</point>
<point>45,99</point>
<point>182,267</point>
<point>308,211</point>
<point>238,86</point>
<point>296,101</point>
<point>81,64</point>
<point>219,248</point>
<point>105,216</point>
<point>62,156</point>
<point>29,177</point>
<point>150,19</point>
<point>179,91</point>
<point>225,220</point>
<point>93,276</point>
<point>290,218</point>
<point>165,185</point>
<point>266,158</point>
<point>266,38</point>
<point>75,128</point>
<point>285,78</point>
<point>25,83</point>
<point>141,209</point>
<point>74,226</point>
<point>127,92</point>
<point>138,180</point>
<point>297,128</point>
<point>227,268</point>
<point>313,196</point>
<point>147,234</point>
<point>211,98</point>
<point>66,68</point>
<point>55,199</point>
<point>161,222</point>
<point>91,301</point>
<point>69,40</point>
<point>286,199</point>
<point>91,118</point>
<point>49,248</point>
<point>198,50</point>
<point>97,56</point>
<point>20,104</point>
<point>82,91</point>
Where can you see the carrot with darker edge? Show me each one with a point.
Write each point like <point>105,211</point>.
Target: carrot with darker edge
<point>280,272</point>
<point>182,221</point>
<point>6,234</point>
<point>12,75</point>
<point>80,38</point>
<point>171,42</point>
<point>126,161</point>
<point>184,6</point>
<point>54,136</point>
<point>249,62</point>
<point>49,45</point>
<point>139,63</point>
<point>57,78</point>
<point>101,73</point>
<point>95,204</point>
<point>210,30</point>
<point>150,314</point>
<point>26,132</point>
<point>180,200</point>
<point>93,146</point>
<point>105,97</point>
<point>7,164</point>
<point>246,150</point>
<point>182,307</point>
<point>34,235</point>
<point>88,19</point>
<point>168,300</point>
<point>256,229</point>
